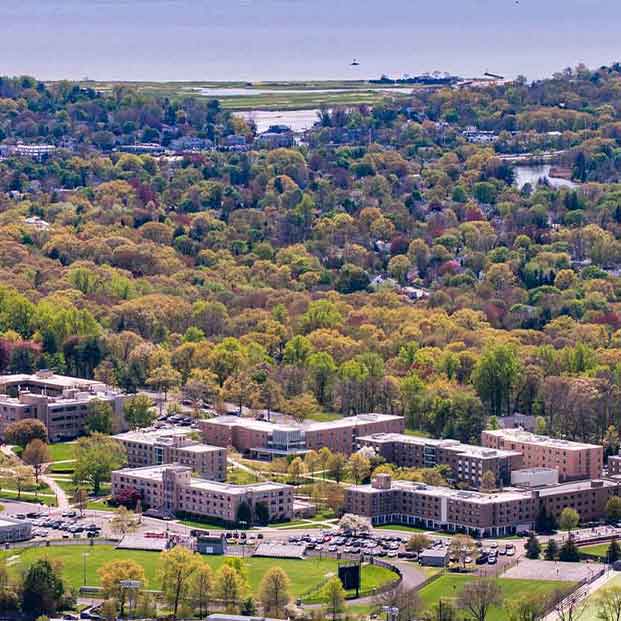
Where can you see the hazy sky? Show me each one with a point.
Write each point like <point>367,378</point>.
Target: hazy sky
<point>302,39</point>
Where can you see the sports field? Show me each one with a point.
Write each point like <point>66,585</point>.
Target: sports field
<point>304,574</point>
<point>450,586</point>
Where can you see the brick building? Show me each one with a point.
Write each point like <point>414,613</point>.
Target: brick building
<point>155,447</point>
<point>264,439</point>
<point>614,465</point>
<point>468,463</point>
<point>171,489</point>
<point>61,403</point>
<point>513,510</point>
<point>573,460</point>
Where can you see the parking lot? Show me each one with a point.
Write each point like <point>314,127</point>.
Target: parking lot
<point>66,525</point>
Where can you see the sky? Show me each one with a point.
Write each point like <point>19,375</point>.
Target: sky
<point>302,39</point>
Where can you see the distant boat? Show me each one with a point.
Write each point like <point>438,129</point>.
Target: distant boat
<point>355,62</point>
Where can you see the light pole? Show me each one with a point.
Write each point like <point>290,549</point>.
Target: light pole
<point>84,557</point>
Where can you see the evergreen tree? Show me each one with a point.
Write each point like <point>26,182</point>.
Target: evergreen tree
<point>43,589</point>
<point>551,550</point>
<point>614,551</point>
<point>533,547</point>
<point>569,552</point>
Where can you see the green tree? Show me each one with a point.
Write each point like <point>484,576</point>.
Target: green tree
<point>496,378</point>
<point>322,370</point>
<point>359,467</point>
<point>201,588</point>
<point>99,417</point>
<point>164,379</point>
<point>613,553</point>
<point>138,411</point>
<point>248,607</point>
<point>243,516</point>
<point>295,470</point>
<point>334,595</point>
<point>22,432</point>
<point>42,590</point>
<point>568,519</point>
<point>613,509</point>
<point>96,456</point>
<point>569,552</point>
<point>336,466</point>
<point>533,547</point>
<point>113,573</point>
<point>229,588</point>
<point>177,566</point>
<point>551,551</point>
<point>274,592</point>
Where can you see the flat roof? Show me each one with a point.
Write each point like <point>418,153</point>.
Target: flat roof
<point>9,522</point>
<point>61,381</point>
<point>200,448</point>
<point>482,452</point>
<point>150,435</point>
<point>527,437</point>
<point>446,492</point>
<point>507,494</point>
<point>155,473</point>
<point>58,401</point>
<point>263,425</point>
<point>229,488</point>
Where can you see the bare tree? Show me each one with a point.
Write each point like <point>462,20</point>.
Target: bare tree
<point>609,604</point>
<point>479,596</point>
<point>568,606</point>
<point>406,600</point>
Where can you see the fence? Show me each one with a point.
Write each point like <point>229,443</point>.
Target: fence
<point>581,591</point>
<point>46,543</point>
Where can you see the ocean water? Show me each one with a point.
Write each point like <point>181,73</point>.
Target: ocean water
<point>302,39</point>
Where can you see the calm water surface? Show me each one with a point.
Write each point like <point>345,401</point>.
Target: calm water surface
<point>302,39</point>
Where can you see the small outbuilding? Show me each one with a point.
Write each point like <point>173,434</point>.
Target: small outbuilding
<point>211,544</point>
<point>434,557</point>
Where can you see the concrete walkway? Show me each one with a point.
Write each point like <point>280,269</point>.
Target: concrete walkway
<point>585,592</point>
<point>61,496</point>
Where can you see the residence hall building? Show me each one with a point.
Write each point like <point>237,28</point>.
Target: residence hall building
<point>266,440</point>
<point>483,515</point>
<point>153,447</point>
<point>573,460</point>
<point>467,462</point>
<point>61,403</point>
<point>171,489</point>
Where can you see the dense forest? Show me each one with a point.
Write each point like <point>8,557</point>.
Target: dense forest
<point>279,278</point>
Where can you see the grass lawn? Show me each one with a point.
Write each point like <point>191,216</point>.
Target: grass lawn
<point>63,467</point>
<point>590,612</point>
<point>206,525</point>
<point>50,501</point>
<point>324,417</point>
<point>62,451</point>
<point>403,527</point>
<point>599,549</point>
<point>293,524</point>
<point>450,586</point>
<point>303,574</point>
<point>237,476</point>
